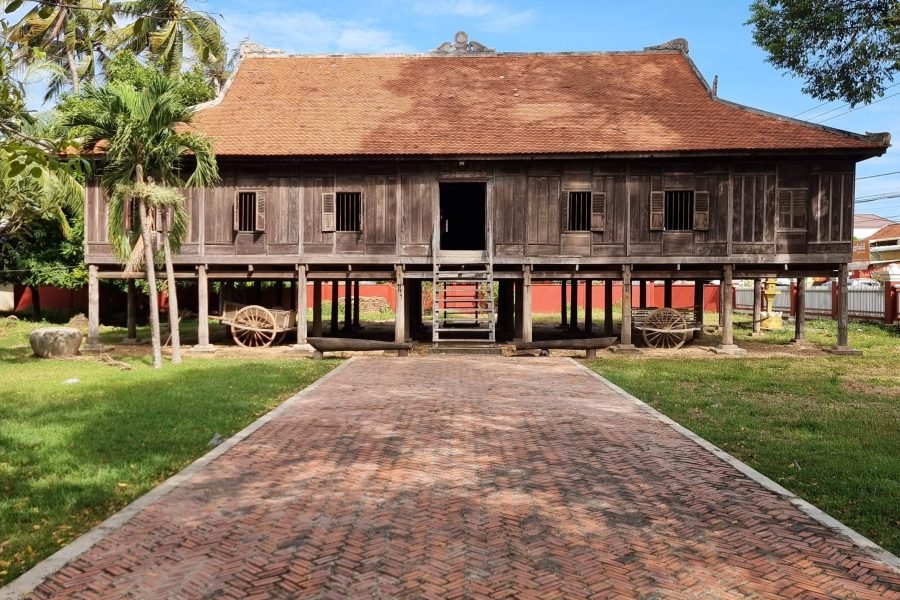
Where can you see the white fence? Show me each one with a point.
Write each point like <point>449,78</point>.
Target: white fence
<point>865,303</point>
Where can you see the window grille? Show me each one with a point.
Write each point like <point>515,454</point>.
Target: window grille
<point>246,211</point>
<point>349,211</point>
<point>579,211</point>
<point>679,211</point>
<point>792,206</point>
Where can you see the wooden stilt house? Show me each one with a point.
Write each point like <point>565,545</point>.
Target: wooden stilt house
<point>469,166</point>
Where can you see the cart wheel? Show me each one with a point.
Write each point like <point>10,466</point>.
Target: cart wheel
<point>665,328</point>
<point>279,337</point>
<point>253,327</point>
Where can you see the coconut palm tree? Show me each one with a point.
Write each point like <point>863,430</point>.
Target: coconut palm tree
<point>65,34</point>
<point>165,29</point>
<point>143,157</point>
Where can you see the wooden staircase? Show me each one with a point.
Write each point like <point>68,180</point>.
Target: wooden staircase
<point>463,304</point>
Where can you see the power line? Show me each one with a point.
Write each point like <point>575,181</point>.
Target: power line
<point>838,108</point>
<point>812,109</point>
<point>876,198</point>
<point>879,175</point>
<point>859,108</point>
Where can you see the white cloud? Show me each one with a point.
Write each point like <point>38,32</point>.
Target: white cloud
<point>307,32</point>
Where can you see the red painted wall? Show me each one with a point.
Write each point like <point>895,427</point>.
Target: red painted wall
<point>52,297</point>
<point>545,296</point>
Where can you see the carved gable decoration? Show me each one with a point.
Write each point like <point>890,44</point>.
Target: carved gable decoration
<point>462,45</point>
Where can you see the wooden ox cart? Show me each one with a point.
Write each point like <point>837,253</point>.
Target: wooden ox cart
<point>255,326</point>
<point>665,327</point>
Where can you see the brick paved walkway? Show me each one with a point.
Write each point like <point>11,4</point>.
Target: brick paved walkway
<point>455,477</point>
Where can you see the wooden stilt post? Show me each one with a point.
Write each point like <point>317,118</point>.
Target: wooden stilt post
<point>131,313</point>
<point>588,306</point>
<point>843,315</point>
<point>526,305</point>
<point>334,307</point>
<point>356,325</point>
<point>757,308</point>
<point>721,307</point>
<point>573,307</point>
<point>625,344</point>
<point>317,308</point>
<point>727,346</point>
<point>642,294</point>
<point>608,307</point>
<point>400,318</point>
<point>93,339</point>
<point>699,300</point>
<point>800,316</point>
<point>348,305</point>
<point>506,309</point>
<point>563,305</point>
<point>667,293</point>
<point>301,306</point>
<point>203,344</point>
<point>519,285</point>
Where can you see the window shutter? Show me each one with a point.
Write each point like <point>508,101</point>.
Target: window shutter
<point>328,211</point>
<point>564,211</point>
<point>657,210</point>
<point>237,212</point>
<point>260,210</point>
<point>799,205</point>
<point>598,211</point>
<point>701,211</point>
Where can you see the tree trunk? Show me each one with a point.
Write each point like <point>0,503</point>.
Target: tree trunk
<point>150,271</point>
<point>73,70</point>
<point>173,302</point>
<point>36,301</point>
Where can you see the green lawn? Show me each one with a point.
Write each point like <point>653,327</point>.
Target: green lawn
<point>73,454</point>
<point>827,428</point>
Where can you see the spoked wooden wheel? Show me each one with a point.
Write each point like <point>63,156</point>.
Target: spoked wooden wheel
<point>665,328</point>
<point>253,327</point>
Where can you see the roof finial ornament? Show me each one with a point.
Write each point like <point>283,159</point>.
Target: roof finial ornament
<point>249,47</point>
<point>679,44</point>
<point>461,45</point>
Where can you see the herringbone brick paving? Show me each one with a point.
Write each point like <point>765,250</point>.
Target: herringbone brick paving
<point>457,477</point>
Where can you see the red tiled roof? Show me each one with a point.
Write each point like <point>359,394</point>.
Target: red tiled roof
<point>888,232</point>
<point>495,104</point>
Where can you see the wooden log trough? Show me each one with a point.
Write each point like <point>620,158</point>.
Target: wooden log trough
<point>589,345</point>
<point>321,345</point>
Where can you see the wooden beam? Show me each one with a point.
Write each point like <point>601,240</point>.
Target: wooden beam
<point>348,306</point>
<point>727,306</point>
<point>400,313</point>
<point>699,300</point>
<point>317,308</point>
<point>301,305</point>
<point>563,301</point>
<point>334,307</point>
<point>356,324</point>
<point>93,338</point>
<point>526,304</point>
<point>131,313</point>
<point>588,306</point>
<point>800,317</point>
<point>202,310</point>
<point>757,307</point>
<point>519,287</point>
<point>607,307</point>
<point>626,307</point>
<point>573,307</point>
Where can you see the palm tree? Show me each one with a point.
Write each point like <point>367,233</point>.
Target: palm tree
<point>65,34</point>
<point>143,157</point>
<point>165,28</point>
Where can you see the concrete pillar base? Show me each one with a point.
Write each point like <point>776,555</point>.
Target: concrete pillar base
<point>94,348</point>
<point>757,334</point>
<point>729,350</point>
<point>625,349</point>
<point>843,351</point>
<point>202,349</point>
<point>304,348</point>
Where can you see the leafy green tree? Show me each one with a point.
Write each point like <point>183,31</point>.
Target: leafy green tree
<point>143,153</point>
<point>843,49</point>
<point>165,29</point>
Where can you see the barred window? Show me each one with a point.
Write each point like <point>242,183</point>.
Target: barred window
<point>246,211</point>
<point>579,217</point>
<point>349,211</point>
<point>679,211</point>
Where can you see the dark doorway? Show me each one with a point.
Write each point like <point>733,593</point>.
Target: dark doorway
<point>462,216</point>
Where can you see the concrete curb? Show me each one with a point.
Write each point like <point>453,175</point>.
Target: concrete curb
<point>28,581</point>
<point>867,545</point>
